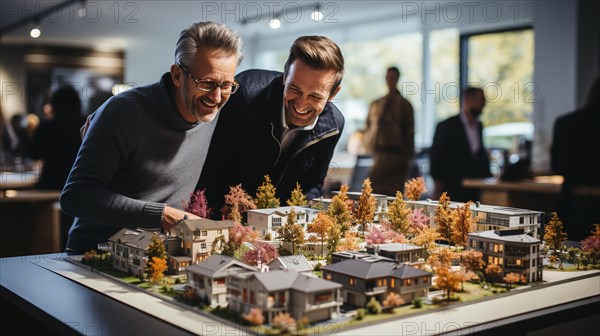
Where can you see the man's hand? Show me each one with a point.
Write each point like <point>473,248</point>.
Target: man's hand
<point>172,216</point>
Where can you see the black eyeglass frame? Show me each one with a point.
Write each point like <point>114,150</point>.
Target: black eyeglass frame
<point>213,85</point>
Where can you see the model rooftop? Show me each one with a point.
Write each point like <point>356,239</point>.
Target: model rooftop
<point>478,207</point>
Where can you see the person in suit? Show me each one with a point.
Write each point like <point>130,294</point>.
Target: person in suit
<point>279,124</point>
<point>390,136</point>
<point>575,154</point>
<point>457,151</point>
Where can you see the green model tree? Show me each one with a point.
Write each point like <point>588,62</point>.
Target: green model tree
<point>365,210</point>
<point>265,195</point>
<point>297,198</point>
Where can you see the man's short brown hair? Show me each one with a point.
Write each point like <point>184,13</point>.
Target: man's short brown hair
<point>318,52</point>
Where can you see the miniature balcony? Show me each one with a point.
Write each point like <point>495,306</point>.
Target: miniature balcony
<point>324,304</point>
<point>376,290</point>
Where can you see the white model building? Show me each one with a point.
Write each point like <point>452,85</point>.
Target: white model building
<point>489,217</point>
<point>269,220</point>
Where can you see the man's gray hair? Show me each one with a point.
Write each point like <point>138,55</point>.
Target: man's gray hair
<point>207,34</point>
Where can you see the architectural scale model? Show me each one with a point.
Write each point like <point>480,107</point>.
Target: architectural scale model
<point>381,267</point>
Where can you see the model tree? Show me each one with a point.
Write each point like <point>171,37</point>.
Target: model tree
<point>472,261</point>
<point>255,316</point>
<point>554,236</point>
<point>414,188</point>
<point>426,238</point>
<point>265,195</point>
<point>511,279</point>
<point>237,202</point>
<point>156,248</point>
<point>285,322</point>
<point>321,227</point>
<point>365,210</point>
<point>218,245</point>
<point>393,300</point>
<point>297,198</point>
<point>446,279</point>
<point>398,215</point>
<point>291,232</point>
<point>462,224</point>
<point>443,218</point>
<point>333,240</point>
<point>591,245</point>
<point>350,242</point>
<point>239,234</point>
<point>338,209</point>
<point>493,273</point>
<point>418,220</point>
<point>198,205</point>
<point>262,253</point>
<point>158,266</point>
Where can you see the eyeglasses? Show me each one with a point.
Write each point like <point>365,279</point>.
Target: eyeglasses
<point>208,85</point>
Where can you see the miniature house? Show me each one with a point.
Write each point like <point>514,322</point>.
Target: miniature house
<point>269,220</point>
<point>362,279</point>
<point>404,253</point>
<point>513,250</point>
<point>489,217</point>
<point>209,278</point>
<point>198,235</point>
<point>347,255</point>
<point>284,291</point>
<point>129,249</point>
<point>297,263</point>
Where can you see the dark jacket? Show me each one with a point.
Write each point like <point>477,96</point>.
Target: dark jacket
<point>245,145</point>
<point>452,160</point>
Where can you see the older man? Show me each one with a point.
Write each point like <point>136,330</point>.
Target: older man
<point>133,167</point>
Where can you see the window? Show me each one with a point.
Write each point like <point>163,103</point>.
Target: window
<point>220,281</point>
<point>251,297</point>
<point>323,297</point>
<point>501,63</point>
<point>521,220</point>
<point>219,231</point>
<point>276,221</point>
<point>381,282</point>
<point>245,295</point>
<point>444,52</point>
<point>500,248</point>
<point>328,276</point>
<point>204,233</point>
<point>202,245</point>
<point>426,280</point>
<point>495,248</point>
<point>407,282</point>
<point>393,283</point>
<point>352,281</point>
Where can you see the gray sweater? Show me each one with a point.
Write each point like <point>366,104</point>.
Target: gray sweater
<point>137,156</point>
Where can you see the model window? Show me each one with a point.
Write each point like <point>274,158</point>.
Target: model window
<point>328,276</point>
<point>219,231</point>
<point>407,282</point>
<point>203,245</point>
<point>393,283</point>
<point>352,281</point>
<point>204,233</point>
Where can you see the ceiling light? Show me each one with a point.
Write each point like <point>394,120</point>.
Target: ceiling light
<point>316,15</point>
<point>35,32</point>
<point>275,23</point>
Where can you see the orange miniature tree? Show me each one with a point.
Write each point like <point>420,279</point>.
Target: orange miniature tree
<point>297,198</point>
<point>393,300</point>
<point>237,202</point>
<point>255,316</point>
<point>156,248</point>
<point>365,210</point>
<point>265,195</point>
<point>555,236</point>
<point>398,215</point>
<point>285,322</point>
<point>493,273</point>
<point>512,278</point>
<point>443,218</point>
<point>338,210</point>
<point>462,224</point>
<point>321,227</point>
<point>291,232</point>
<point>414,188</point>
<point>158,267</point>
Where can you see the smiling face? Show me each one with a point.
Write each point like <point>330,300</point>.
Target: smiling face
<point>193,104</point>
<point>306,91</point>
